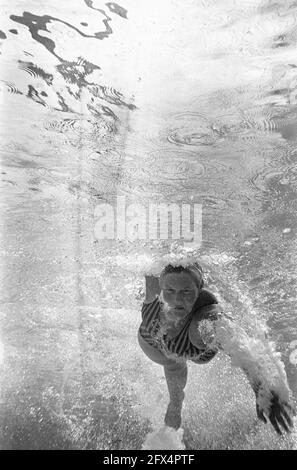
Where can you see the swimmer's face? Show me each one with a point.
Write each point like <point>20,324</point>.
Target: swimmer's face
<point>180,292</point>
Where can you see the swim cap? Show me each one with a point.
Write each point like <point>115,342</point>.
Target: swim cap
<point>194,269</point>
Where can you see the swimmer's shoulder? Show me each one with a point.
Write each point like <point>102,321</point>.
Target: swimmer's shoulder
<point>151,301</point>
<point>206,297</point>
<point>151,309</point>
<point>206,306</point>
<point>152,289</point>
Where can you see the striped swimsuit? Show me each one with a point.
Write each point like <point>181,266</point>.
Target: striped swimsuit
<point>179,346</point>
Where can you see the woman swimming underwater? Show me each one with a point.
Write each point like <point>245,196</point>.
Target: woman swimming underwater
<point>181,321</point>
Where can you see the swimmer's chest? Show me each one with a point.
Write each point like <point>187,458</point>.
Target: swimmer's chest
<point>172,329</point>
<point>156,324</point>
<point>179,332</point>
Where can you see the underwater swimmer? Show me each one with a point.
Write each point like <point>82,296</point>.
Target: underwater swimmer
<point>181,321</point>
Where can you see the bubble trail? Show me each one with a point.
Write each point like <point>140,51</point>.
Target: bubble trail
<point>164,438</point>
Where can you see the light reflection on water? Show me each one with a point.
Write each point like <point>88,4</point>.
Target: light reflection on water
<point>91,112</point>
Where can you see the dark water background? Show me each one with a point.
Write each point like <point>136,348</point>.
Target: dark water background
<point>179,102</point>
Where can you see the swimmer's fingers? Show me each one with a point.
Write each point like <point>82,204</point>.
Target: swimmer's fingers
<point>286,409</point>
<point>261,414</point>
<point>281,421</point>
<point>274,423</point>
<point>279,412</point>
<point>287,417</point>
<point>278,416</point>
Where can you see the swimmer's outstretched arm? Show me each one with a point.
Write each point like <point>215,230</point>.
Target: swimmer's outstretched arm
<point>264,370</point>
<point>260,363</point>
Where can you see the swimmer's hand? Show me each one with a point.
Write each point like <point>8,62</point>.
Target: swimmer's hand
<point>270,405</point>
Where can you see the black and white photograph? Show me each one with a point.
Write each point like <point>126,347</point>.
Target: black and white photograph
<point>148,228</point>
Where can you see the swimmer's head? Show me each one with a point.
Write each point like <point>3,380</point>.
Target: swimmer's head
<point>180,287</point>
